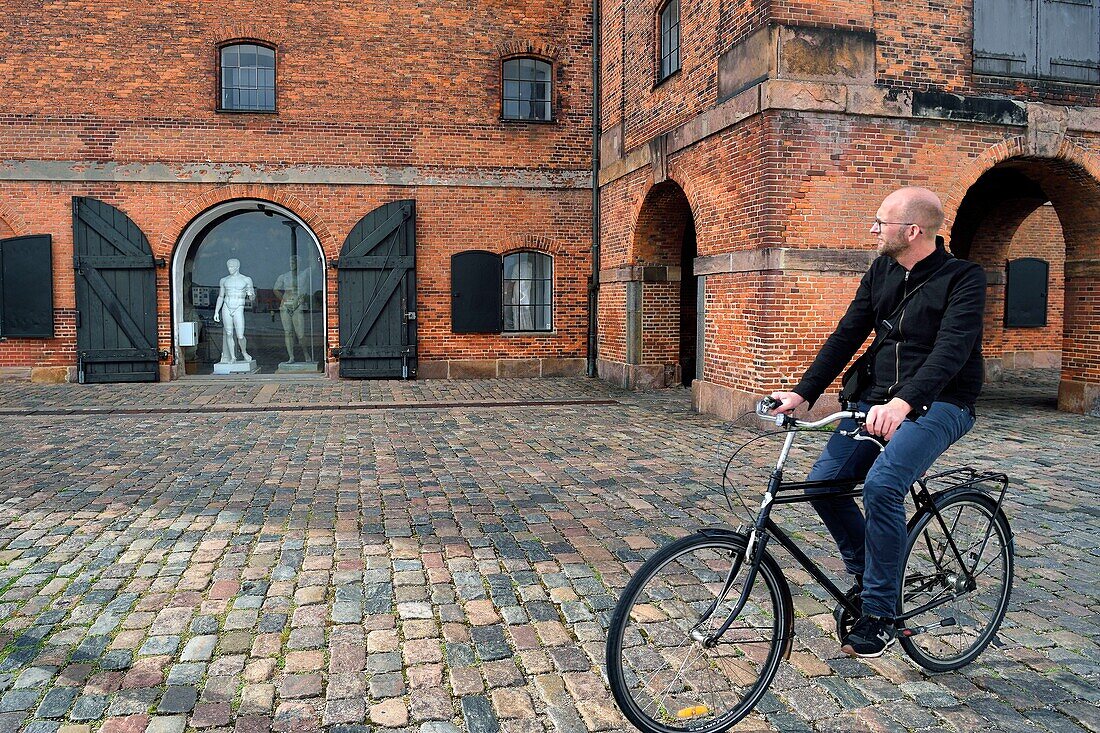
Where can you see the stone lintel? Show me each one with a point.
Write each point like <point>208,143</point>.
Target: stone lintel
<point>805,96</point>
<point>230,173</point>
<point>636,159</point>
<point>641,273</point>
<point>1082,268</point>
<point>718,118</point>
<point>1081,119</point>
<point>834,261</point>
<point>969,108</point>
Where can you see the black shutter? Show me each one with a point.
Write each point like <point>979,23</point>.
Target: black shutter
<point>1026,293</point>
<point>476,292</point>
<point>26,287</point>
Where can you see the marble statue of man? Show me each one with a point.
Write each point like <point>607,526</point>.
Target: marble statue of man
<point>233,291</point>
<point>293,297</point>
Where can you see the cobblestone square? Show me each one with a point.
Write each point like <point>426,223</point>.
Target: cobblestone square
<point>443,556</point>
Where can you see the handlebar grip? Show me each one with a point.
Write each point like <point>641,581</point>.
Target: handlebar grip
<point>770,403</point>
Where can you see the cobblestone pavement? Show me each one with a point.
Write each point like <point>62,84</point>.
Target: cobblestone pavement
<point>432,561</point>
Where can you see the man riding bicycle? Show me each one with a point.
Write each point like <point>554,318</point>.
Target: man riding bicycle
<point>918,383</point>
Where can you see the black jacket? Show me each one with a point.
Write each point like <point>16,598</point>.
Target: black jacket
<point>934,350</point>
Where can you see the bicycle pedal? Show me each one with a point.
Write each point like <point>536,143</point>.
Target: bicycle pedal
<point>914,630</point>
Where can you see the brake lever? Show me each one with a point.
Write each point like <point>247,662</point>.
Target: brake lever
<point>859,434</point>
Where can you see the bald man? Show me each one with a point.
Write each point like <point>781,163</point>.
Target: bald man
<point>918,388</point>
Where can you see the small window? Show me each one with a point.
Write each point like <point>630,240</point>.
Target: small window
<point>528,291</point>
<point>670,39</point>
<point>247,80</point>
<point>527,90</point>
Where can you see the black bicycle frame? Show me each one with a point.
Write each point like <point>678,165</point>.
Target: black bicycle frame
<point>831,490</point>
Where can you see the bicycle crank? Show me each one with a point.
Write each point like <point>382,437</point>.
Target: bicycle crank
<point>914,630</point>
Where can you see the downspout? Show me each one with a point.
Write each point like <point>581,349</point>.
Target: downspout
<point>594,279</point>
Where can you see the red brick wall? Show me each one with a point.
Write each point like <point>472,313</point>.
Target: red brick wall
<point>141,93</point>
<point>448,220</point>
<point>814,180</point>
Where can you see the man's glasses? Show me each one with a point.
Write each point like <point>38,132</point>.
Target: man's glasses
<point>880,224</point>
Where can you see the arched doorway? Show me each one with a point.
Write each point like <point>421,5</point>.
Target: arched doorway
<point>266,268</point>
<point>1034,225</point>
<point>663,326</point>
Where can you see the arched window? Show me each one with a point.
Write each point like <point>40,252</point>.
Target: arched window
<point>528,291</point>
<point>247,78</point>
<point>669,47</point>
<point>527,92</point>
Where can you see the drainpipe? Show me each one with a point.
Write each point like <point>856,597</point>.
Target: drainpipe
<point>594,279</point>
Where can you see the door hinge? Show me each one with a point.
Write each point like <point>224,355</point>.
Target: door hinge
<point>77,318</point>
<point>160,262</point>
<point>410,315</point>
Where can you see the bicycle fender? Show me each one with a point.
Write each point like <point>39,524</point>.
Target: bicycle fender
<point>722,532</point>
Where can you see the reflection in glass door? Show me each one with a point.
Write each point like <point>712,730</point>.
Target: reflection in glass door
<point>253,286</point>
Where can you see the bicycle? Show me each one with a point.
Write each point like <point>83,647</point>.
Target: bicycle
<point>695,639</point>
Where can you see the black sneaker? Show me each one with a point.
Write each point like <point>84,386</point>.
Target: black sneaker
<point>870,637</point>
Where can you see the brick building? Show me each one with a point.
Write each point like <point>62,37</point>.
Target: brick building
<point>746,146</point>
<point>342,152</point>
<point>364,163</point>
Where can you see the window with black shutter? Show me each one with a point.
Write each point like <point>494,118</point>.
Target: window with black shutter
<point>476,292</point>
<point>26,287</point>
<point>1026,293</point>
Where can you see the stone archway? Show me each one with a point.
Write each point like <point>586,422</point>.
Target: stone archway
<point>662,327</point>
<point>1048,209</point>
<point>289,337</point>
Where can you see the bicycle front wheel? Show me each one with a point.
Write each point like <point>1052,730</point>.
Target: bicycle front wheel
<point>965,604</point>
<point>664,678</point>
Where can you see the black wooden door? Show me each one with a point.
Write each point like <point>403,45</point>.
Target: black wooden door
<point>116,296</point>
<point>377,294</point>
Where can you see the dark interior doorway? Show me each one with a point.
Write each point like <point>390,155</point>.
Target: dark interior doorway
<point>689,295</point>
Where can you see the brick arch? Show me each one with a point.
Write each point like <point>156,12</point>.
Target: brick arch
<point>536,242</point>
<point>529,48</point>
<point>266,34</point>
<point>11,223</point>
<point>1013,147</point>
<point>659,220</point>
<point>232,192</point>
<point>1069,177</point>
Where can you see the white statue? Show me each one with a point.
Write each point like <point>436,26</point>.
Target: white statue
<point>234,290</point>
<point>294,298</point>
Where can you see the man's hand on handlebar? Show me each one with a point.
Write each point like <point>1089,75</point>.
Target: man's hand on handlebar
<point>788,401</point>
<point>883,420</point>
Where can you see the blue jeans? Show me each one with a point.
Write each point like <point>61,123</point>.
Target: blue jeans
<point>874,547</point>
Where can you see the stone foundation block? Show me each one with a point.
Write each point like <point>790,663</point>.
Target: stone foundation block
<point>53,375</point>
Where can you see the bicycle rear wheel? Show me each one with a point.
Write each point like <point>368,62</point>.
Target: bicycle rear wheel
<point>965,616</point>
<point>666,681</point>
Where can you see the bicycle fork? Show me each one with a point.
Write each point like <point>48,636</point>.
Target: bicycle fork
<point>754,551</point>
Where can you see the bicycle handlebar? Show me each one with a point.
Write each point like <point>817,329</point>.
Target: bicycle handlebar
<point>766,405</point>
